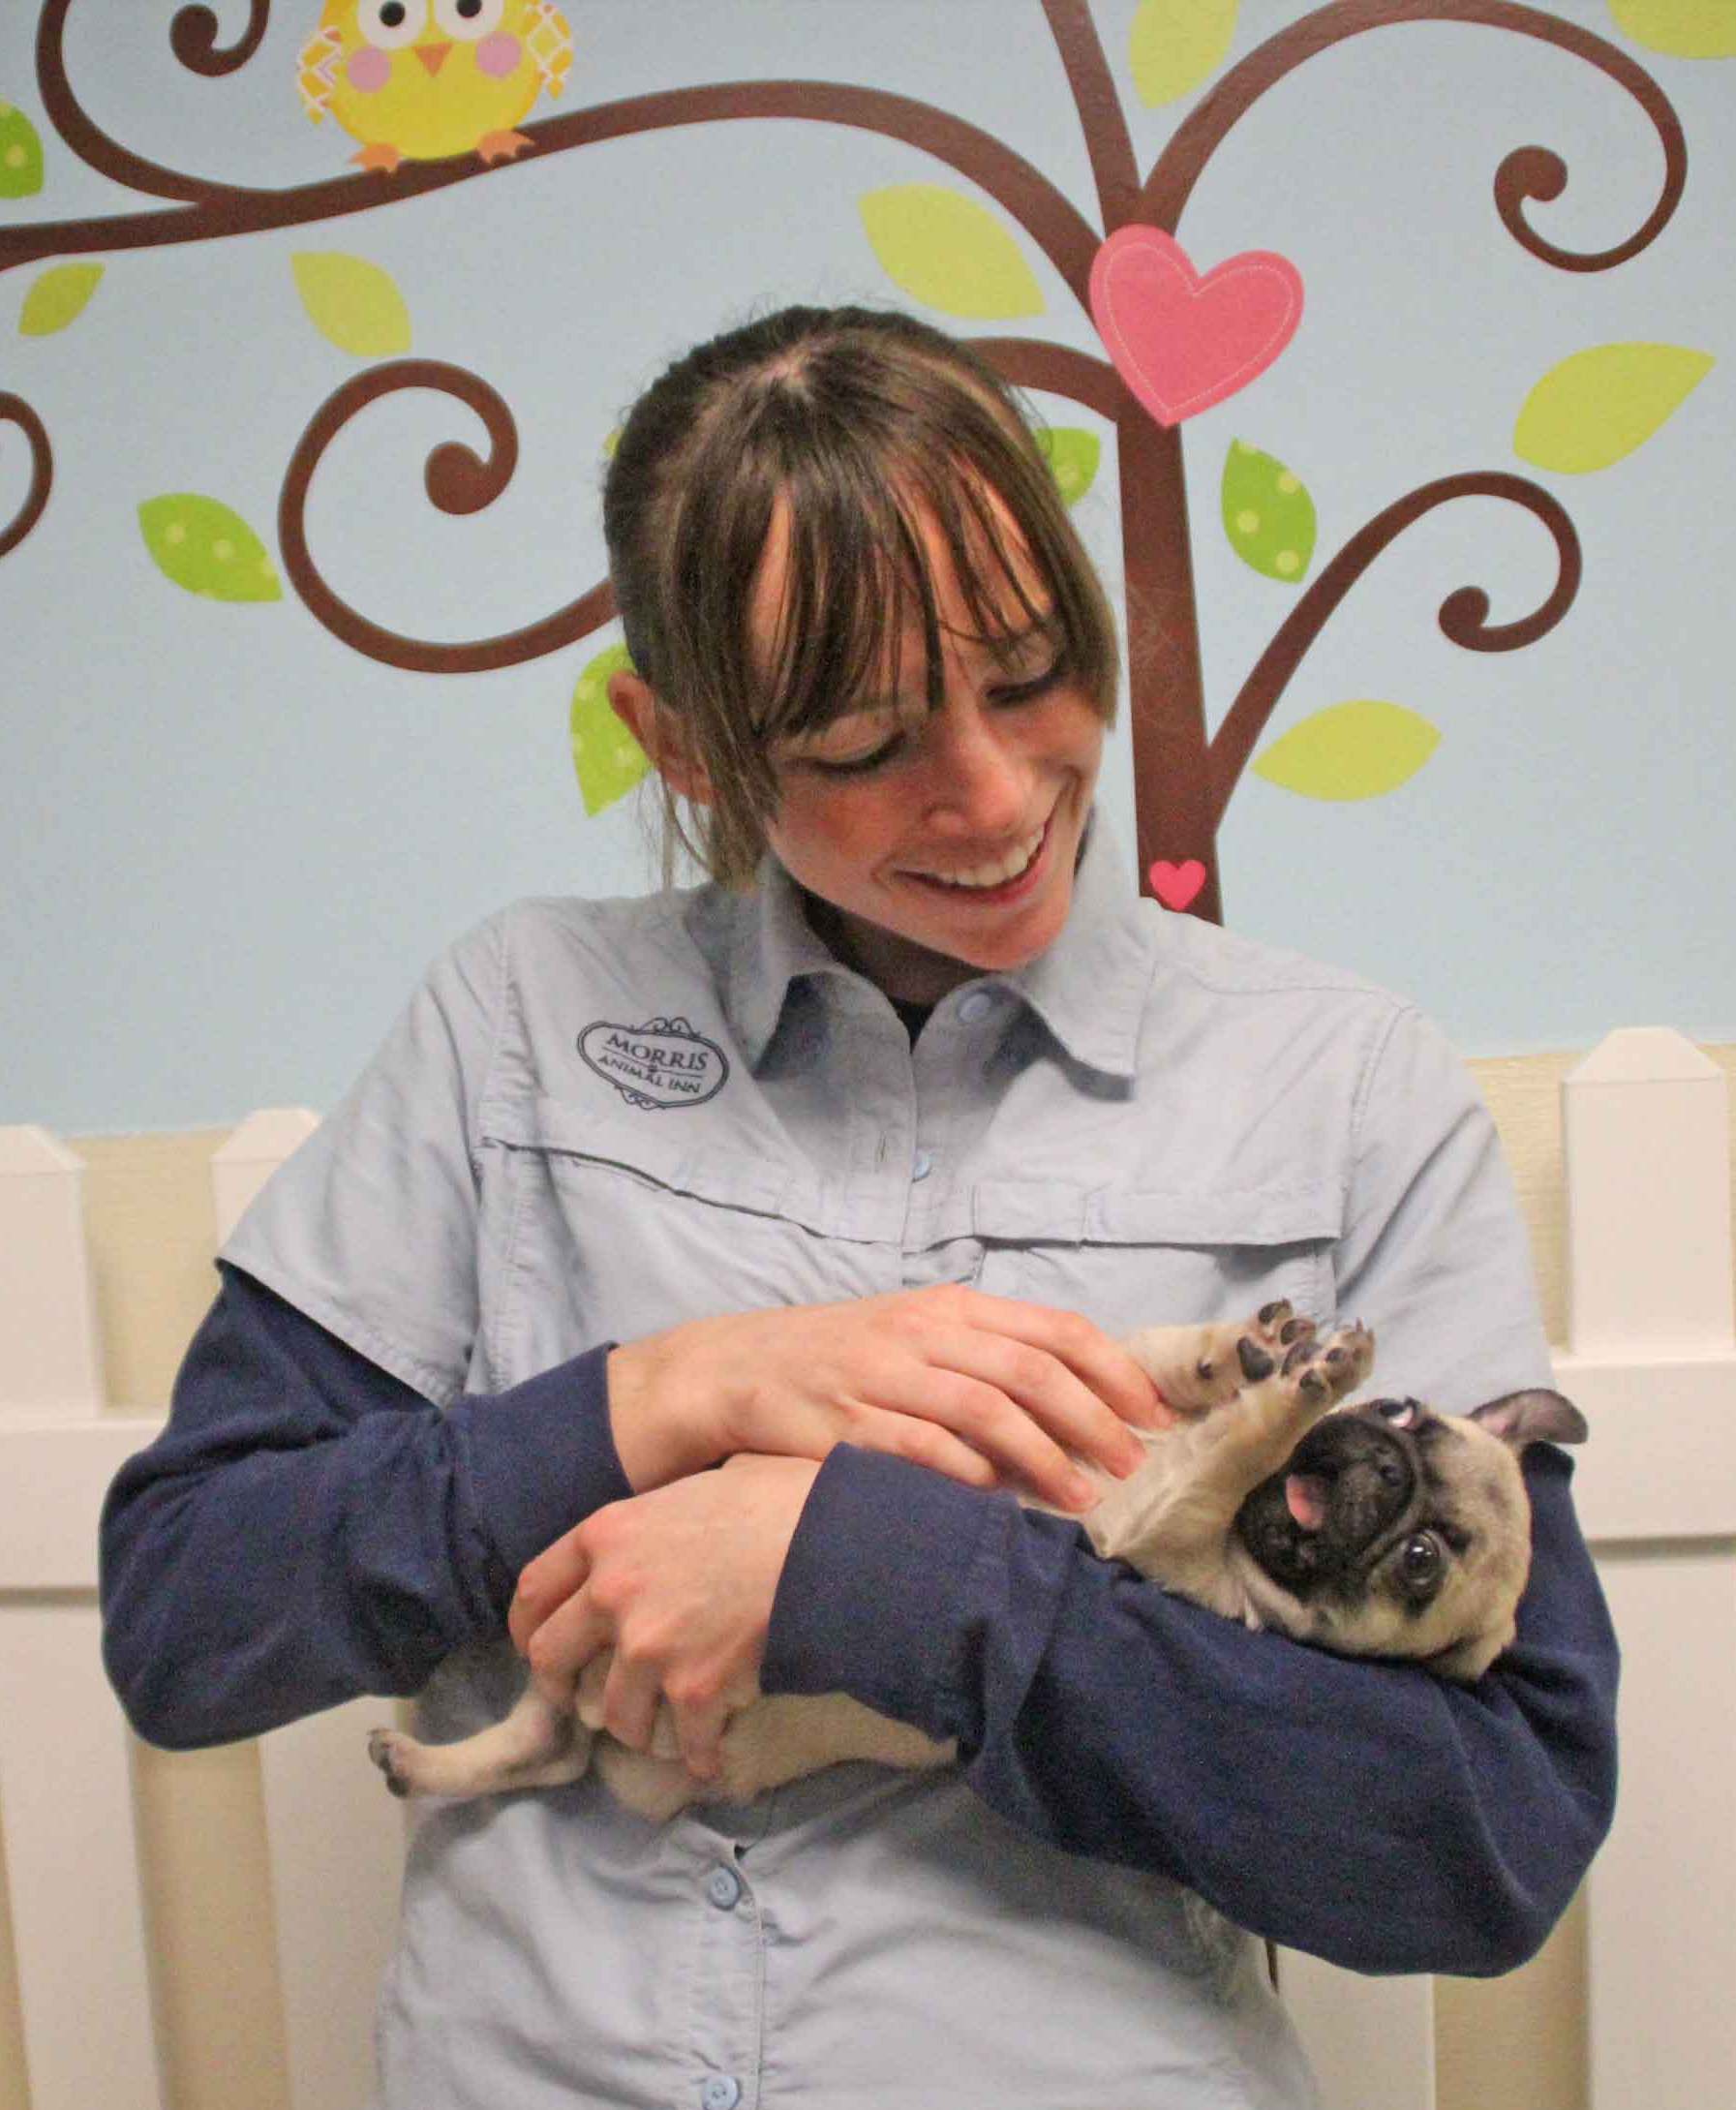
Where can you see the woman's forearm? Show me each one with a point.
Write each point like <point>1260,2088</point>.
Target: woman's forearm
<point>306,1528</point>
<point>1369,1812</point>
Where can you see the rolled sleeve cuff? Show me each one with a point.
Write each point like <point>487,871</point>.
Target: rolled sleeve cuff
<point>541,1457</point>
<point>875,1592</point>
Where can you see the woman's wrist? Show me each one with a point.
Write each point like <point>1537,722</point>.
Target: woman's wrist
<point>654,1445</point>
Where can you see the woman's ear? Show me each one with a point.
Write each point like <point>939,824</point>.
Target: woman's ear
<point>660,733</point>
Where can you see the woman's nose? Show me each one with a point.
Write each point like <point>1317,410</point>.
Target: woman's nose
<point>980,778</point>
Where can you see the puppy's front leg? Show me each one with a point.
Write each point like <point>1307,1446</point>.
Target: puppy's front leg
<point>1185,1501</point>
<point>1278,1407</point>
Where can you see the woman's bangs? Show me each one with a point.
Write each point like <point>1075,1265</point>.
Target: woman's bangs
<point>854,580</point>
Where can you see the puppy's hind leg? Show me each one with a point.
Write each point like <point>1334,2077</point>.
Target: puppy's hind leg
<point>540,1744</point>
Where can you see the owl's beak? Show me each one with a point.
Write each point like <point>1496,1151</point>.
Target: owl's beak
<point>433,55</point>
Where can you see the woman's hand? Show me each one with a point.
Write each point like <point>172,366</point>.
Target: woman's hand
<point>679,1583</point>
<point>992,1391</point>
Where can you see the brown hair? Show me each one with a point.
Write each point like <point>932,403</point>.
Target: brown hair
<point>866,424</point>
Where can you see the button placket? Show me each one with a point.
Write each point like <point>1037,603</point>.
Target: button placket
<point>728,2016</point>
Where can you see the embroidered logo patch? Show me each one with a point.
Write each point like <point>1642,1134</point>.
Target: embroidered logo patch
<point>661,1063</point>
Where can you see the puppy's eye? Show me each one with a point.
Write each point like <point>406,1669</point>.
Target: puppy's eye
<point>1401,1413</point>
<point>1419,1564</point>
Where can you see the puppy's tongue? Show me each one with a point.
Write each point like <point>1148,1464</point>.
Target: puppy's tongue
<point>1305,1496</point>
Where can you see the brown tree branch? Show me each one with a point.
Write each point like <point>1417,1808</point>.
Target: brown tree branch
<point>458,481</point>
<point>211,211</point>
<point>1529,172</point>
<point>1101,118</point>
<point>14,411</point>
<point>1463,614</point>
<point>1034,362</point>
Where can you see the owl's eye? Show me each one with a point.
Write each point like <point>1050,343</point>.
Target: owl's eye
<point>468,19</point>
<point>390,24</point>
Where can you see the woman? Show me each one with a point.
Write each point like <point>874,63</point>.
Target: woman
<point>814,1169</point>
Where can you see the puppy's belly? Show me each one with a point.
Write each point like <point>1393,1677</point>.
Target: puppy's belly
<point>767,1743</point>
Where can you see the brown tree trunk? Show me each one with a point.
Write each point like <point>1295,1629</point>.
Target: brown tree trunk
<point>1165,685</point>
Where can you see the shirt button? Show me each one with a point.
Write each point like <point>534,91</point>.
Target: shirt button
<point>977,1005</point>
<point>722,2091</point>
<point>924,1166</point>
<point>723,1886</point>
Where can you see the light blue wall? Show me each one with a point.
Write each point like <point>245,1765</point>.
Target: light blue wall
<point>230,841</point>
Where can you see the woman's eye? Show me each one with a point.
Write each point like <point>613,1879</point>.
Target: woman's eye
<point>1034,685</point>
<point>858,765</point>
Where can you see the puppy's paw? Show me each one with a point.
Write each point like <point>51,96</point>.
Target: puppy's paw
<point>393,1752</point>
<point>1205,1366</point>
<point>1329,1369</point>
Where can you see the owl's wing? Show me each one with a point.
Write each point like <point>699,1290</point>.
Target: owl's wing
<point>316,71</point>
<point>549,42</point>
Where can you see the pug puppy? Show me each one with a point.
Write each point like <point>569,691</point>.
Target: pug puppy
<point>1384,1529</point>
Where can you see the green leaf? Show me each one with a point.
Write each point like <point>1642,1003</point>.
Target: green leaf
<point>1269,515</point>
<point>1599,405</point>
<point>1173,44</point>
<point>608,760</point>
<point>20,154</point>
<point>57,298</point>
<point>1072,456</point>
<point>203,548</point>
<point>1687,29</point>
<point>352,302</point>
<point>1350,751</point>
<point>950,252</point>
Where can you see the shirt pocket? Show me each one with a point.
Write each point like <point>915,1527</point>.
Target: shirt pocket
<point>1128,1258</point>
<point>618,1227</point>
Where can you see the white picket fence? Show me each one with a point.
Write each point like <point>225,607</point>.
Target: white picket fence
<point>1651,1357</point>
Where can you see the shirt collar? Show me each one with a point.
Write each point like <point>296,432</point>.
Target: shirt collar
<point>1088,989</point>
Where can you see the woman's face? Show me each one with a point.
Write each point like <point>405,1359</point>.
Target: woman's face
<point>944,842</point>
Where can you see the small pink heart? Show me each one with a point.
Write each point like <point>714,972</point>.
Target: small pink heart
<point>1175,885</point>
<point>1182,341</point>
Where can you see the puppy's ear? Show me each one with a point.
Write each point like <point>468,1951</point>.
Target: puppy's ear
<point>1532,1417</point>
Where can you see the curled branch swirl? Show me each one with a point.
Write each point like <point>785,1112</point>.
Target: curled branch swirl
<point>1464,615</point>
<point>192,37</point>
<point>14,411</point>
<point>1527,173</point>
<point>458,480</point>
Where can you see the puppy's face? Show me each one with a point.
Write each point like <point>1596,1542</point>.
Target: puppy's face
<point>1396,1531</point>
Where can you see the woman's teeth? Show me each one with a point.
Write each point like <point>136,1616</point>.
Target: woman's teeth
<point>1007,868</point>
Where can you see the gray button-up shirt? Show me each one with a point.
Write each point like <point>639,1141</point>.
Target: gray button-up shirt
<point>598,1119</point>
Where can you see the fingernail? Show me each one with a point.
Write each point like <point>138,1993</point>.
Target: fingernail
<point>1080,1493</point>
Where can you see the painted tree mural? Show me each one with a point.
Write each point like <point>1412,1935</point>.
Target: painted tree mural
<point>438,98</point>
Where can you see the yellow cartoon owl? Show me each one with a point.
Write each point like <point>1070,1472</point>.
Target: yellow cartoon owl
<point>422,79</point>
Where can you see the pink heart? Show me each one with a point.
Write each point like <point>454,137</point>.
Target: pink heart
<point>1175,885</point>
<point>1181,342</point>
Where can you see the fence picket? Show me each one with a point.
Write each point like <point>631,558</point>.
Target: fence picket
<point>335,1840</point>
<point>49,1358</point>
<point>1646,1141</point>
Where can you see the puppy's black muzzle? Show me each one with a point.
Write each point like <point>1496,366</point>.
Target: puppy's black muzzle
<point>1349,1481</point>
